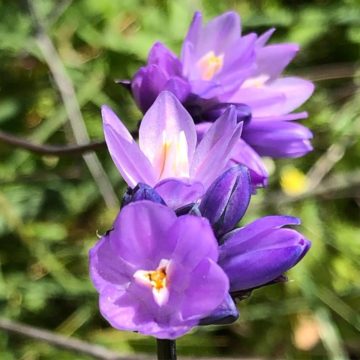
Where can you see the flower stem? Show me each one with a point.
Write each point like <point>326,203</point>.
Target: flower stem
<point>166,349</point>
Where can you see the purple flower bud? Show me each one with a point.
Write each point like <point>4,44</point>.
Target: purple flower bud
<point>227,199</point>
<point>243,112</point>
<point>141,192</point>
<point>259,253</point>
<point>226,313</point>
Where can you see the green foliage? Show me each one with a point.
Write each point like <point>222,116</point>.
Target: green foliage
<point>51,209</point>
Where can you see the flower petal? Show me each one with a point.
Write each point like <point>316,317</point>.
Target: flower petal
<point>190,247</point>
<point>245,155</point>
<point>214,150</point>
<point>166,60</point>
<point>261,253</point>
<point>226,313</point>
<point>278,138</point>
<point>177,193</point>
<point>146,85</point>
<point>271,60</point>
<point>106,267</point>
<point>166,130</point>
<point>128,158</point>
<point>212,290</point>
<point>297,91</point>
<point>227,199</point>
<point>137,230</point>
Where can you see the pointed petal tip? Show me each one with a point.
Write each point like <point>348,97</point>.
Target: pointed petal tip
<point>108,114</point>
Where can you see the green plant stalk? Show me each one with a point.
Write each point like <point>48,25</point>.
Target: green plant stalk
<point>166,349</point>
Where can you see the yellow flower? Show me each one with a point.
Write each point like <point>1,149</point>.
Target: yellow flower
<point>293,181</point>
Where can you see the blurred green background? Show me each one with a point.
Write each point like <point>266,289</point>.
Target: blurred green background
<point>51,208</point>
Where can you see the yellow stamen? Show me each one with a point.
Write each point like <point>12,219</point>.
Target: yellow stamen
<point>210,64</point>
<point>157,278</point>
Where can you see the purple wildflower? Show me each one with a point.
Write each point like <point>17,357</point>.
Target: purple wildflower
<point>257,255</point>
<point>155,274</point>
<point>219,67</point>
<point>168,157</point>
<point>260,252</point>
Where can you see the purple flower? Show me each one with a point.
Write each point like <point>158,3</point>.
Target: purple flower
<point>248,71</point>
<point>168,157</point>
<point>256,255</point>
<point>227,199</point>
<point>163,72</point>
<point>262,251</point>
<point>155,274</point>
<point>218,67</point>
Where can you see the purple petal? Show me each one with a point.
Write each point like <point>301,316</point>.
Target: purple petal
<point>106,267</point>
<point>258,268</point>
<point>239,64</point>
<point>226,313</point>
<point>278,139</point>
<point>188,50</point>
<point>205,89</point>
<point>260,252</point>
<point>190,247</point>
<point>128,158</point>
<point>257,228</point>
<point>263,101</point>
<point>214,150</point>
<point>227,199</point>
<point>264,38</point>
<point>272,59</point>
<point>179,87</point>
<point>134,309</point>
<point>164,58</point>
<point>202,129</point>
<point>166,120</point>
<point>120,309</point>
<point>146,85</point>
<point>137,230</point>
<point>178,193</point>
<point>212,290</point>
<point>245,155</point>
<point>288,117</point>
<point>219,34</point>
<point>297,91</point>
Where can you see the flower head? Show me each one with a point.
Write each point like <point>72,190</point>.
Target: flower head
<point>168,157</point>
<point>219,66</point>
<point>155,274</point>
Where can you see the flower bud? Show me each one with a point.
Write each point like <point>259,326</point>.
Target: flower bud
<point>227,199</point>
<point>141,192</point>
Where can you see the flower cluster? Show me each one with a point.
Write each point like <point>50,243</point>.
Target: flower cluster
<point>219,67</point>
<point>175,258</point>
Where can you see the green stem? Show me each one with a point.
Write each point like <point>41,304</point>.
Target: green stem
<point>166,349</point>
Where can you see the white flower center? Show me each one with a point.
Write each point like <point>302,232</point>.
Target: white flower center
<point>156,280</point>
